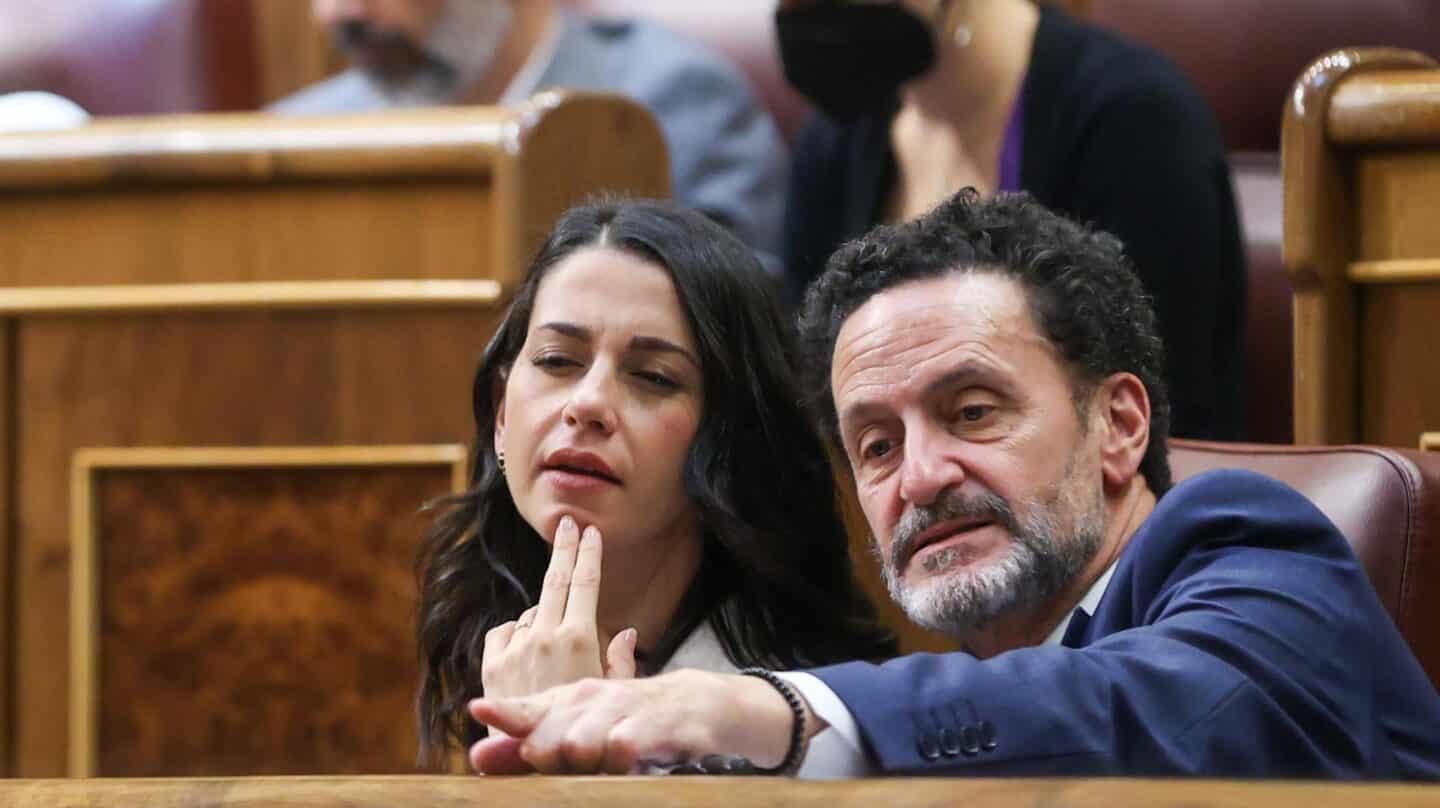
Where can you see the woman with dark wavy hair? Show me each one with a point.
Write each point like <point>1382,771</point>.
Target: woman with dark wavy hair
<point>646,491</point>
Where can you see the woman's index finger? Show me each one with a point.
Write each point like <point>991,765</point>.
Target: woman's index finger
<point>556,588</point>
<point>585,581</point>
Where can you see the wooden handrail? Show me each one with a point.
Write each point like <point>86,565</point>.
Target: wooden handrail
<point>700,792</point>
<point>1393,107</point>
<point>242,296</point>
<point>1395,271</point>
<point>252,147</point>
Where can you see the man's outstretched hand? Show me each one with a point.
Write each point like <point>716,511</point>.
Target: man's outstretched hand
<point>620,727</point>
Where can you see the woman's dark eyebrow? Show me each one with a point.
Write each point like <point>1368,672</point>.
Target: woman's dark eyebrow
<point>647,344</point>
<point>579,332</point>
<point>658,345</point>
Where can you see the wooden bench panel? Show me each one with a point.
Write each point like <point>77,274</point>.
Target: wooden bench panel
<point>249,281</point>
<point>1361,174</point>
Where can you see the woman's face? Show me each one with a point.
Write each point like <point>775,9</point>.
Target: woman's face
<point>600,407</point>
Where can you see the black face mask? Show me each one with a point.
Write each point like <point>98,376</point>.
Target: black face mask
<point>849,58</point>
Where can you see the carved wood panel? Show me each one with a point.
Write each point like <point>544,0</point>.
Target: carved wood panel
<point>249,618</point>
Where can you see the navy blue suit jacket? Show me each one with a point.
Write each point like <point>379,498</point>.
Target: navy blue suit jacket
<point>1239,637</point>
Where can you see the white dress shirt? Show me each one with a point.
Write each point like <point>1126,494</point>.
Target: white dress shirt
<point>827,757</point>
<point>844,753</point>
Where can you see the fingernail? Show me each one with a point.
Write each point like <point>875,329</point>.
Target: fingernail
<point>567,522</point>
<point>592,533</point>
<point>634,634</point>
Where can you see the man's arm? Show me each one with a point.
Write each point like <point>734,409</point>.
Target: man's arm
<point>622,727</point>
<point>1254,650</point>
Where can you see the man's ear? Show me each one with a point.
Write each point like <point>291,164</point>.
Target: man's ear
<point>1123,410</point>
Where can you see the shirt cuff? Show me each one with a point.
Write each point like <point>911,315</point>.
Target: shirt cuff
<point>842,753</point>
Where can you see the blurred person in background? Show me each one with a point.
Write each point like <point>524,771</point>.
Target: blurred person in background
<point>726,157</point>
<point>921,97</point>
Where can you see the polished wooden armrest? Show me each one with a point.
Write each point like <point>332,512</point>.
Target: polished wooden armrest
<point>700,792</point>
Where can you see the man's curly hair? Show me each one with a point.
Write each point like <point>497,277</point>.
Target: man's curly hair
<point>1082,292</point>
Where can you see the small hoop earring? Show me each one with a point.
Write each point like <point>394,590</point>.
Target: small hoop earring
<point>500,459</point>
<point>962,34</point>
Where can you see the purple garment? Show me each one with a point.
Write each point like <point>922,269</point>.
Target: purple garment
<point>1012,148</point>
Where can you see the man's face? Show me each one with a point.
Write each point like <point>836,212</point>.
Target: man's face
<point>980,482</point>
<point>386,38</point>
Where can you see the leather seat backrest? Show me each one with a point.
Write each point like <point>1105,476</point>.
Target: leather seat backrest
<point>1244,55</point>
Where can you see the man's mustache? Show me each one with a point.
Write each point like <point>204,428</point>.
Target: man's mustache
<point>354,35</point>
<point>953,504</point>
<point>391,51</point>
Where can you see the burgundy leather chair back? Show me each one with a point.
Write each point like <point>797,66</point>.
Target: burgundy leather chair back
<point>1245,54</point>
<point>1385,501</point>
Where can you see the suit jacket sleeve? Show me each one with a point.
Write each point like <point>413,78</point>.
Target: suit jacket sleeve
<point>1246,657</point>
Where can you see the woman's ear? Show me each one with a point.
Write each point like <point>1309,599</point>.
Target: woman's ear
<point>1124,410</point>
<point>497,394</point>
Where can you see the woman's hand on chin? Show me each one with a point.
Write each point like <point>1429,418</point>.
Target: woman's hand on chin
<point>558,640</point>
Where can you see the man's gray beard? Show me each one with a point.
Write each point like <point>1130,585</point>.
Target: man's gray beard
<point>462,47</point>
<point>1039,561</point>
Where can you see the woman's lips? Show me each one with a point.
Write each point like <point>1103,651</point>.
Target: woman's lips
<point>580,463</point>
<point>574,480</point>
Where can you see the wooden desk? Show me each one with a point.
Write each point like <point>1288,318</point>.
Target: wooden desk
<point>1361,173</point>
<point>698,792</point>
<point>235,358</point>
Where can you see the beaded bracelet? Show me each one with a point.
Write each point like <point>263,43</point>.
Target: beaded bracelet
<point>798,739</point>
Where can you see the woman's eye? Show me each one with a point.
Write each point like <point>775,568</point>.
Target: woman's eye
<point>876,449</point>
<point>554,361</point>
<point>657,379</point>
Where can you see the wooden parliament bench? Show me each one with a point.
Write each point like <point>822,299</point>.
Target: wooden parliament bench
<point>699,792</point>
<point>1361,175</point>
<point>235,359</point>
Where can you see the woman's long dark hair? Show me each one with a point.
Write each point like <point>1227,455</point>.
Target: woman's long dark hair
<point>775,579</point>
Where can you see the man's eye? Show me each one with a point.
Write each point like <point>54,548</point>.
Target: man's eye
<point>975,412</point>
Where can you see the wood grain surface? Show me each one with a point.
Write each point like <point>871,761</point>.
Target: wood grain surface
<point>257,620</point>
<point>701,792</point>
<point>1400,379</point>
<point>272,295</point>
